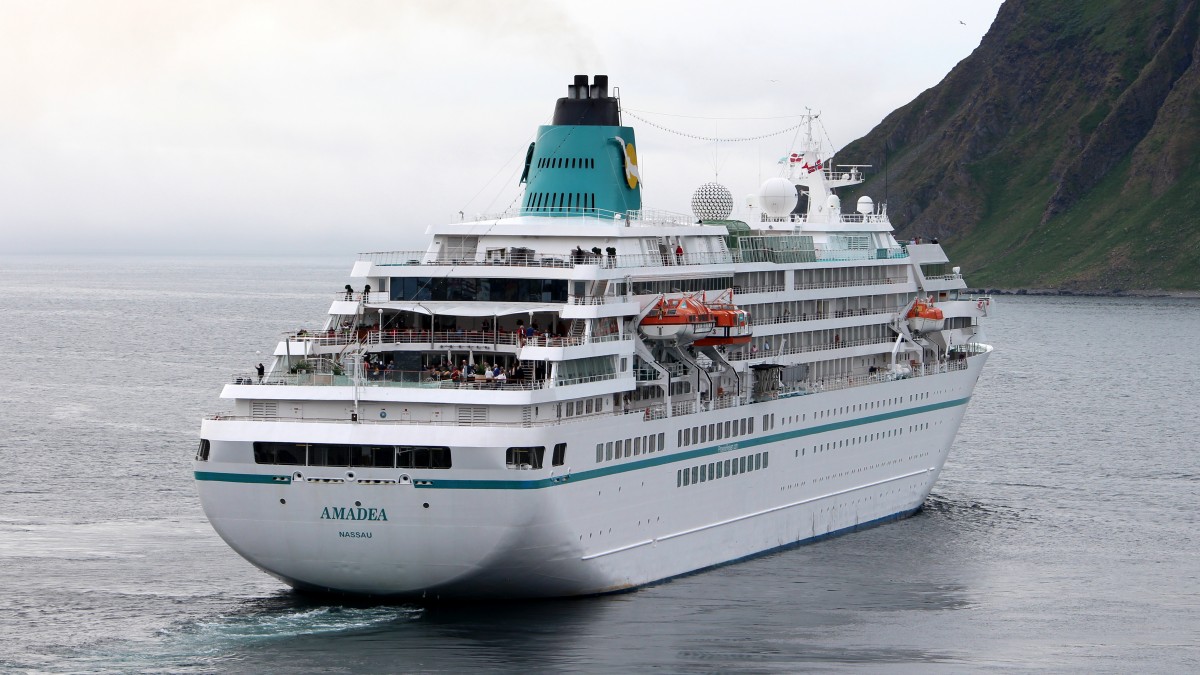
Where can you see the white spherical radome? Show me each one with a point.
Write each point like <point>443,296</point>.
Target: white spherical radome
<point>777,196</point>
<point>712,201</point>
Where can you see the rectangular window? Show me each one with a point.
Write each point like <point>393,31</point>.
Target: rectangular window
<point>742,465</point>
<point>599,452</point>
<point>560,454</point>
<point>766,458</point>
<point>589,406</point>
<point>628,447</point>
<point>524,457</point>
<point>378,456</point>
<point>720,430</point>
<point>662,443</point>
<point>687,477</point>
<point>703,434</point>
<point>203,450</point>
<point>422,457</point>
<point>679,438</point>
<point>727,468</point>
<point>750,423</point>
<point>765,427</point>
<point>324,454</point>
<point>703,474</point>
<point>608,451</point>
<point>757,461</point>
<point>712,432</point>
<point>743,426</point>
<point>617,452</point>
<point>735,468</point>
<point>728,434</point>
<point>711,471</point>
<point>678,478</point>
<point>652,448</point>
<point>720,471</point>
<point>695,474</point>
<point>570,408</point>
<point>695,434</point>
<point>637,445</point>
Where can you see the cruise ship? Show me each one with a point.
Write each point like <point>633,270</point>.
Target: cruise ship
<point>584,395</point>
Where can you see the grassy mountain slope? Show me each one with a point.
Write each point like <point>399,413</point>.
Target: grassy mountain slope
<point>1064,152</point>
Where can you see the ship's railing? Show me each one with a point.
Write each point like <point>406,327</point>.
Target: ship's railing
<point>652,411</point>
<point>815,316</point>
<point>536,259</point>
<point>450,337</point>
<point>392,378</point>
<point>597,216</point>
<point>850,283</point>
<point>596,300</point>
<point>818,254</point>
<point>944,277</point>
<point>742,290</point>
<point>755,353</point>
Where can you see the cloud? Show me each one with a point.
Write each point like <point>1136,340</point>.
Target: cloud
<point>295,126</point>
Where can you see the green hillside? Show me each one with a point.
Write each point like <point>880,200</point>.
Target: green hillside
<point>1063,153</point>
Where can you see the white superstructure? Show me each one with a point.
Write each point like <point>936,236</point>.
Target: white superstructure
<point>569,399</point>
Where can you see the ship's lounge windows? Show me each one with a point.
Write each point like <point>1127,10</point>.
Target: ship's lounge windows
<point>527,457</point>
<point>378,456</point>
<point>599,452</point>
<point>371,456</point>
<point>280,453</point>
<point>422,457</point>
<point>203,450</point>
<point>321,454</point>
<point>560,454</point>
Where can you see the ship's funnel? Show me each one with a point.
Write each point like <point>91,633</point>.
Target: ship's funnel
<point>585,162</point>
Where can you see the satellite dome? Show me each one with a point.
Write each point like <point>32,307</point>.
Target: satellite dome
<point>778,197</point>
<point>712,201</point>
<point>865,205</point>
<point>834,203</point>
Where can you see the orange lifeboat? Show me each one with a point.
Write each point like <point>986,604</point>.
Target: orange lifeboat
<point>681,319</point>
<point>925,317</point>
<point>732,324</point>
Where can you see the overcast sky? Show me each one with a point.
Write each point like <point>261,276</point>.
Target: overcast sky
<point>300,127</point>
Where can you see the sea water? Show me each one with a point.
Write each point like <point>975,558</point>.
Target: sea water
<point>1062,536</point>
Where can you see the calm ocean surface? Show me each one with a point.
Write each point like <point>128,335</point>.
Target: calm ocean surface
<point>1064,534</point>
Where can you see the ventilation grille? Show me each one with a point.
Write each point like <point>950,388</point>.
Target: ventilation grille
<point>470,415</point>
<point>264,409</point>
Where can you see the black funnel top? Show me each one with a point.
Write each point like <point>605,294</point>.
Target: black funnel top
<point>587,105</point>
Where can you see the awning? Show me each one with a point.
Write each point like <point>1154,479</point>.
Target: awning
<point>344,308</point>
<point>468,308</point>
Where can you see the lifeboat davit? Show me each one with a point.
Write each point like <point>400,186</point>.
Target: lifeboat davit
<point>924,317</point>
<point>732,324</point>
<point>680,319</point>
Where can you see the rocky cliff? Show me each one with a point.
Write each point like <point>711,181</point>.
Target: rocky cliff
<point>1063,153</point>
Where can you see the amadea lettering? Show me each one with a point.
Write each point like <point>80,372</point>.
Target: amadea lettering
<point>352,513</point>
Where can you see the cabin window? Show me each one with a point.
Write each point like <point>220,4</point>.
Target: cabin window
<point>525,457</point>
<point>560,454</point>
<point>422,457</point>
<point>203,450</point>
<point>380,456</point>
<point>608,451</point>
<point>599,452</point>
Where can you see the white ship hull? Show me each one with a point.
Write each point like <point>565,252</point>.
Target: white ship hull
<point>584,527</point>
<point>508,413</point>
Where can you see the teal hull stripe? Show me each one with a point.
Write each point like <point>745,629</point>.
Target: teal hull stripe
<point>649,461</point>
<point>242,477</point>
<point>687,456</point>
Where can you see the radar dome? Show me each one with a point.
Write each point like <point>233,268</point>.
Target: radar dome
<point>865,205</point>
<point>712,201</point>
<point>778,197</point>
<point>834,203</point>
